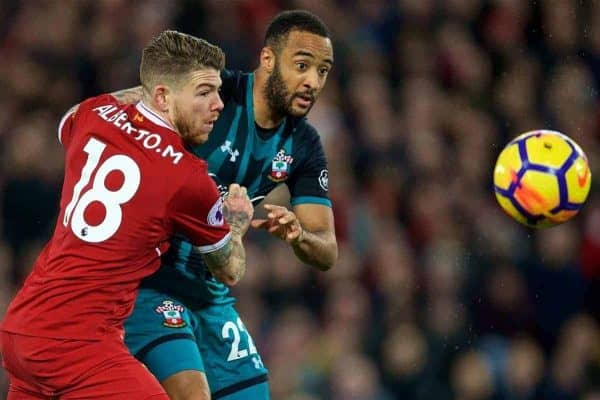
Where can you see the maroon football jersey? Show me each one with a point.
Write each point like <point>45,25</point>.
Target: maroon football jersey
<point>129,185</point>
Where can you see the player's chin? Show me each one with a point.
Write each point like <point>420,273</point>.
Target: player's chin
<point>199,137</point>
<point>298,111</point>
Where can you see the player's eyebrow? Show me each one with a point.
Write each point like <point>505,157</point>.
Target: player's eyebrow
<point>210,86</point>
<point>311,55</point>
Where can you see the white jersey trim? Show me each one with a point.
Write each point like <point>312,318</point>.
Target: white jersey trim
<point>61,124</point>
<point>152,116</point>
<point>214,247</point>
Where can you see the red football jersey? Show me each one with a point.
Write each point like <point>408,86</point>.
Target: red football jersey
<point>129,185</point>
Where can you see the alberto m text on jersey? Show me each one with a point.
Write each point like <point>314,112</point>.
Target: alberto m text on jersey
<point>150,141</point>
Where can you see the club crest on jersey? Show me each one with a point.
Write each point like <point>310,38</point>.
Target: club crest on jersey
<point>280,166</point>
<point>171,313</point>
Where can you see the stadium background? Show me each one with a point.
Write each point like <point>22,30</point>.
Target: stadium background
<point>437,294</point>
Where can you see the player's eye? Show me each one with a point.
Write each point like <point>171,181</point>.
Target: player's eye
<point>204,93</point>
<point>323,71</point>
<point>302,66</point>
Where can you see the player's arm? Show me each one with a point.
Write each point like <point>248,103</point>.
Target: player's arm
<point>316,243</point>
<point>125,96</point>
<point>309,226</point>
<point>309,229</point>
<point>128,96</point>
<point>228,264</point>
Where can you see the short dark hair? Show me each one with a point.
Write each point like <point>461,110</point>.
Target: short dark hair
<point>171,55</point>
<point>293,20</point>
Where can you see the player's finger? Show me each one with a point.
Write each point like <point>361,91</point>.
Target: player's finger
<point>273,207</point>
<point>259,223</point>
<point>277,212</point>
<point>293,235</point>
<point>274,227</point>
<point>287,218</point>
<point>243,191</point>
<point>234,189</point>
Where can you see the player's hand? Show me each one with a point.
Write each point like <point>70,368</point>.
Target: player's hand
<point>281,223</point>
<point>237,209</point>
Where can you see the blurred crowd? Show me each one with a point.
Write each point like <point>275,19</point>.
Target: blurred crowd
<point>437,294</point>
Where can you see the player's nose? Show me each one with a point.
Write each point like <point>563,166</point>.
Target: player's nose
<point>218,104</point>
<point>312,81</point>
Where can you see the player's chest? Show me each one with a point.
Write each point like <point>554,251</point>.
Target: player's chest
<point>237,154</point>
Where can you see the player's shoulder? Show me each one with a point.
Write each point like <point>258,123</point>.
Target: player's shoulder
<point>304,130</point>
<point>103,99</point>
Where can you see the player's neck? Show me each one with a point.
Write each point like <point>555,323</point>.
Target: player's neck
<point>163,115</point>
<point>263,115</point>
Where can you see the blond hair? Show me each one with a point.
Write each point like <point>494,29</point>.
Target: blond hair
<point>172,55</point>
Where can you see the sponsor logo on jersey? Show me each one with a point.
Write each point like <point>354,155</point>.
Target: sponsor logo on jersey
<point>215,215</point>
<point>171,313</point>
<point>233,153</point>
<point>280,166</point>
<point>324,180</point>
<point>223,190</point>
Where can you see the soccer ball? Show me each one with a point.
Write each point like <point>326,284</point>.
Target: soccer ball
<point>542,178</point>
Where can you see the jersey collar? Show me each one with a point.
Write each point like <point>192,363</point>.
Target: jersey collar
<point>153,116</point>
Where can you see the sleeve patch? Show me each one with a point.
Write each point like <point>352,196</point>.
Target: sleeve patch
<point>324,179</point>
<point>215,215</point>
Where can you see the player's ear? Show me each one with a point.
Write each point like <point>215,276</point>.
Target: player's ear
<point>267,59</point>
<point>161,95</point>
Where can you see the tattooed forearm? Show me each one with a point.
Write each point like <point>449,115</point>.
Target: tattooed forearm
<point>128,96</point>
<point>228,264</point>
<point>219,258</point>
<point>238,220</point>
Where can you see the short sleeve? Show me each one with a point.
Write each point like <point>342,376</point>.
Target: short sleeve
<point>65,126</point>
<point>197,212</point>
<point>309,182</point>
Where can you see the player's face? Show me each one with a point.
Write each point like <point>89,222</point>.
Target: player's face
<point>196,106</point>
<point>300,72</point>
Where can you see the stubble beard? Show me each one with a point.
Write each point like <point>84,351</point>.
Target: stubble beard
<point>278,97</point>
<point>182,126</point>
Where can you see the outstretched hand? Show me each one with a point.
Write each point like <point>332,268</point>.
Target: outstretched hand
<point>237,209</point>
<point>281,223</point>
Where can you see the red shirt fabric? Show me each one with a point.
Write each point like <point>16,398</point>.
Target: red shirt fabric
<point>129,185</point>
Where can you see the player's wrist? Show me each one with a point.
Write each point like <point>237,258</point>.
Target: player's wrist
<point>300,238</point>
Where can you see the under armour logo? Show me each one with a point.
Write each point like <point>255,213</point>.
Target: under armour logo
<point>258,364</point>
<point>233,153</point>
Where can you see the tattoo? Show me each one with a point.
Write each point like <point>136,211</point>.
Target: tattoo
<point>219,258</point>
<point>228,264</point>
<point>128,96</point>
<point>238,220</point>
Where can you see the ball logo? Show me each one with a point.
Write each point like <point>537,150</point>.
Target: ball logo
<point>215,215</point>
<point>582,178</point>
<point>324,180</point>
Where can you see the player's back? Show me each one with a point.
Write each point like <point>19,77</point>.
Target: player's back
<point>123,168</point>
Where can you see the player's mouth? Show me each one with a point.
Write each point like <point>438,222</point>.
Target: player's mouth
<point>304,100</point>
<point>210,124</point>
